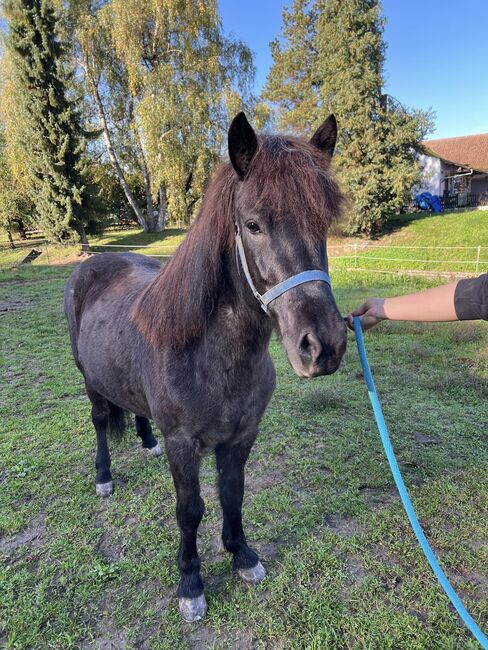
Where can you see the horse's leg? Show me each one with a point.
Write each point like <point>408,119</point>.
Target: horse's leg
<point>184,462</point>
<point>144,432</point>
<point>230,467</point>
<point>100,419</point>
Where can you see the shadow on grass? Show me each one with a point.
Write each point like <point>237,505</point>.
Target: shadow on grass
<point>137,238</point>
<point>398,221</point>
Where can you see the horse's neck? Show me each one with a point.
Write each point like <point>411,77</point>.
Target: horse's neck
<point>239,308</point>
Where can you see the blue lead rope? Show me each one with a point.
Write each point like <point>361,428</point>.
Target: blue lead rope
<point>407,504</point>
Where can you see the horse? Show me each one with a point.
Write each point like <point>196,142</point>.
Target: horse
<point>186,345</point>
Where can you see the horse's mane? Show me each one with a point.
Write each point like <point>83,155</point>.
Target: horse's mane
<point>288,176</point>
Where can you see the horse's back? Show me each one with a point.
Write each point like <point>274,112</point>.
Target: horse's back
<point>99,274</point>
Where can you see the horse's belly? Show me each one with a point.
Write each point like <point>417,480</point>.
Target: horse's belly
<point>109,365</point>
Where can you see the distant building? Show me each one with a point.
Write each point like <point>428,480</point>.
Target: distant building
<point>456,169</point>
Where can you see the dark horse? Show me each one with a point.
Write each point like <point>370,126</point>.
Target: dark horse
<point>187,345</point>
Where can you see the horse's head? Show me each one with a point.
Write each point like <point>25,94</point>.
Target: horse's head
<point>284,202</point>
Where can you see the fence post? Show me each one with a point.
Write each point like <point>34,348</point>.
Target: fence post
<point>478,259</point>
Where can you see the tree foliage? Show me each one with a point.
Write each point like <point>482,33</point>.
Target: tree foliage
<point>163,76</point>
<point>52,138</point>
<point>342,40</point>
<point>292,86</point>
<point>156,84</point>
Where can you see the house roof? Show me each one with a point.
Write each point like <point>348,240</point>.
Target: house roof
<point>466,151</point>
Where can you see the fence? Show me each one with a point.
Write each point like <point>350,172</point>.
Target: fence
<point>460,260</point>
<point>355,256</point>
<point>469,200</point>
<point>363,256</point>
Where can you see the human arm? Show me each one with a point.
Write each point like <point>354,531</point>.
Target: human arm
<point>462,300</point>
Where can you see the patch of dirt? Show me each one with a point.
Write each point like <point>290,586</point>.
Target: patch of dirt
<point>475,582</point>
<point>14,305</point>
<point>344,526</point>
<point>377,497</point>
<point>431,439</point>
<point>201,637</point>
<point>70,260</point>
<point>268,551</point>
<point>355,575</point>
<point>160,599</point>
<point>110,639</point>
<point>32,536</point>
<point>109,552</point>
<point>260,477</point>
<point>105,633</point>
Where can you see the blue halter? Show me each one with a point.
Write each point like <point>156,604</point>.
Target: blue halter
<point>279,289</point>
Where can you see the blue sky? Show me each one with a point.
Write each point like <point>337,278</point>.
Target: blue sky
<point>437,54</point>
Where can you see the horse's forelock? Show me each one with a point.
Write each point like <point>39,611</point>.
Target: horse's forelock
<point>292,178</point>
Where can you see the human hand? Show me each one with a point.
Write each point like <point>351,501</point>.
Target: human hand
<point>372,312</point>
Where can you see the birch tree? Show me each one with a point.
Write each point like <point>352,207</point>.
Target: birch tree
<point>162,76</point>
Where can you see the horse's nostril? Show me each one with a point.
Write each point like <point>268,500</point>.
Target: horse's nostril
<point>309,348</point>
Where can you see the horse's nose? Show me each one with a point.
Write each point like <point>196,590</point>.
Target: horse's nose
<point>318,358</point>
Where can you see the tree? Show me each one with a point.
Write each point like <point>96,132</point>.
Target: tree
<point>16,191</point>
<point>292,85</point>
<point>341,42</point>
<point>53,141</point>
<point>161,74</point>
<point>16,208</point>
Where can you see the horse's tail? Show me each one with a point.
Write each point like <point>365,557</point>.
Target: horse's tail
<point>118,420</point>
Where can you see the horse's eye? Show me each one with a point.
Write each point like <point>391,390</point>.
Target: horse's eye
<point>253,227</point>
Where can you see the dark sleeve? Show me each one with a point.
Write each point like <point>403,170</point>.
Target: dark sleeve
<point>471,298</point>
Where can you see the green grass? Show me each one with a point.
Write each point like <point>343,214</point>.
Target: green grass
<point>160,244</point>
<point>463,229</point>
<point>344,570</point>
<point>431,232</point>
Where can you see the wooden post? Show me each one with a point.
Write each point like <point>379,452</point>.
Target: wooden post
<point>478,259</point>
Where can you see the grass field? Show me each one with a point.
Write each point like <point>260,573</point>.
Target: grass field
<point>344,570</point>
<point>465,230</point>
<point>160,244</point>
<point>435,243</point>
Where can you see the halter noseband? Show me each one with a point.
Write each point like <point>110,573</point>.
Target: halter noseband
<point>279,289</point>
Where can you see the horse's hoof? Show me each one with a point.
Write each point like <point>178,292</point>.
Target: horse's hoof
<point>156,450</point>
<point>253,575</point>
<point>193,609</point>
<point>105,489</point>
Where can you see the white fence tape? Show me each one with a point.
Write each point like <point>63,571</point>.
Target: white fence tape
<point>359,253</point>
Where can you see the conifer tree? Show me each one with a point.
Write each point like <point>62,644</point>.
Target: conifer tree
<point>292,86</point>
<point>331,60</point>
<point>53,139</point>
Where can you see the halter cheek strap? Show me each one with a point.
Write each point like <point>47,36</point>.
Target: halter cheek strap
<point>279,289</point>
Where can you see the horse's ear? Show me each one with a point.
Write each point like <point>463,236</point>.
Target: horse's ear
<point>242,144</point>
<point>325,136</point>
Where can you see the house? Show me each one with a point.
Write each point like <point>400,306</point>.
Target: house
<point>456,169</point>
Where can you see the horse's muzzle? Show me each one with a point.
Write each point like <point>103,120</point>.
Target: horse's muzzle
<point>317,357</point>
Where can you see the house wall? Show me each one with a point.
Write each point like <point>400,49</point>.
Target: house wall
<point>431,175</point>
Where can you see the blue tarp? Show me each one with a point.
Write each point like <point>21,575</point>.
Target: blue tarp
<point>428,201</point>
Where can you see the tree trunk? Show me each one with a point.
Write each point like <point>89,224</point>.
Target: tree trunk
<point>9,235</point>
<point>152,220</point>
<point>113,157</point>
<point>21,227</point>
<point>162,209</point>
<point>85,246</point>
